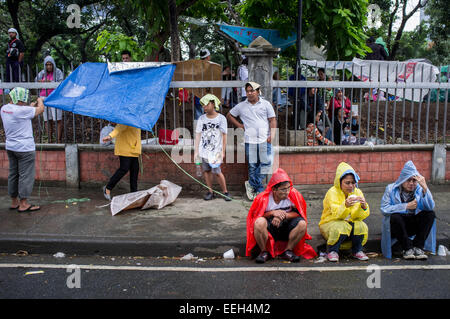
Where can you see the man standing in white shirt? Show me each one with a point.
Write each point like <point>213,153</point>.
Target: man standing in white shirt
<point>259,124</point>
<point>20,147</point>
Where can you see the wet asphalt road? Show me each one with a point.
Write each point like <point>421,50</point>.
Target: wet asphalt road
<point>44,276</point>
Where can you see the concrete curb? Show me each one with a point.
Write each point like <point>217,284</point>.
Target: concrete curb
<point>139,247</point>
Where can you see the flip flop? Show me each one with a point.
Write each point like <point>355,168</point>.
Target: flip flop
<point>29,209</point>
<point>14,208</point>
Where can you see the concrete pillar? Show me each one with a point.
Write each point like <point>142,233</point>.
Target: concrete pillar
<point>438,164</point>
<point>72,166</point>
<point>260,56</point>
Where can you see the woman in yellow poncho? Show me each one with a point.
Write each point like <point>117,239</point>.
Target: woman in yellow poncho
<point>344,209</point>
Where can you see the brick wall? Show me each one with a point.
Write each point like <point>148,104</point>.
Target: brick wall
<point>447,167</point>
<point>50,165</point>
<point>374,167</point>
<point>304,168</point>
<point>99,166</point>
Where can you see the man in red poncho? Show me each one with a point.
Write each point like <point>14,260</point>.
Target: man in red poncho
<point>276,222</point>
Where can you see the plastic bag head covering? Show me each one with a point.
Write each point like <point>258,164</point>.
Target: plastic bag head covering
<point>15,31</point>
<point>204,53</point>
<point>409,170</point>
<point>19,94</point>
<point>344,169</point>
<point>208,98</point>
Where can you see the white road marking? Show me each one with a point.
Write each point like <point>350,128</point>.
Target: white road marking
<point>227,269</point>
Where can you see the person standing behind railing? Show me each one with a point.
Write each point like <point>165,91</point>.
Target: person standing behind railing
<point>20,147</point>
<point>52,115</point>
<point>242,75</point>
<point>14,56</point>
<point>259,124</point>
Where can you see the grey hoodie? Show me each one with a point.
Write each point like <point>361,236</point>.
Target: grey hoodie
<point>58,75</point>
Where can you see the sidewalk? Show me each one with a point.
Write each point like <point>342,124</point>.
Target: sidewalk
<point>71,221</point>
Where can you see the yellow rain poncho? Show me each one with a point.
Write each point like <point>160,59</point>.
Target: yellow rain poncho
<point>336,217</point>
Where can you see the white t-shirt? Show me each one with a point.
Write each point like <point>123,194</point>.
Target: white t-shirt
<point>211,131</point>
<point>243,76</point>
<point>255,118</point>
<point>284,204</point>
<point>18,128</point>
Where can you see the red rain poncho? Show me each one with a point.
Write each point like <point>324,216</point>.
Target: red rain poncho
<point>258,209</point>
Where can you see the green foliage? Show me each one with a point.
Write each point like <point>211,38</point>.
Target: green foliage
<point>112,44</point>
<point>338,25</point>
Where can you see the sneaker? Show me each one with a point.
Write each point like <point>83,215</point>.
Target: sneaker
<point>249,190</point>
<point>262,257</point>
<point>420,254</point>
<point>409,254</point>
<point>106,195</point>
<point>333,256</point>
<point>208,196</point>
<point>360,256</point>
<point>290,256</point>
<point>228,197</point>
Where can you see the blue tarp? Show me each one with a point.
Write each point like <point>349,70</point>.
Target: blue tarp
<point>246,35</point>
<point>132,97</point>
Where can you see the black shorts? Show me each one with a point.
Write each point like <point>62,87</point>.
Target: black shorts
<point>282,232</point>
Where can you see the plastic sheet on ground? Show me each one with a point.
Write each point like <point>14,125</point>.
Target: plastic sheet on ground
<point>156,197</point>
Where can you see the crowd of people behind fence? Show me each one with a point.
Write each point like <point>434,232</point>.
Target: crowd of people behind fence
<point>300,103</point>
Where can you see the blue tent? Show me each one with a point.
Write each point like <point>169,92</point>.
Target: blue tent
<point>132,97</point>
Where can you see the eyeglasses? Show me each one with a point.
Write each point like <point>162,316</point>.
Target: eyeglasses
<point>411,180</point>
<point>284,190</point>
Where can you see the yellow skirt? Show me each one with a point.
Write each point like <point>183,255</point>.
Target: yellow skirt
<point>331,231</point>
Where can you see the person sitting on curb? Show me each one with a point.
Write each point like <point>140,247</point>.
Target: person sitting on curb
<point>276,222</point>
<point>20,147</point>
<point>344,209</point>
<point>407,206</point>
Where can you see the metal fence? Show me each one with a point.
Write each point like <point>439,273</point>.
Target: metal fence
<point>372,117</point>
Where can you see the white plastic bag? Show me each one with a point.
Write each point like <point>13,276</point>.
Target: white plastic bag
<point>156,197</point>
<point>104,132</point>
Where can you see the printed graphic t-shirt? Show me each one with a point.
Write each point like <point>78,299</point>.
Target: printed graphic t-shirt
<point>211,130</point>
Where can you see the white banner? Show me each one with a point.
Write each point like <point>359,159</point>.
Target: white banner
<point>414,70</point>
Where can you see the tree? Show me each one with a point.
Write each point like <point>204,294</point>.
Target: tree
<point>42,25</point>
<point>174,35</point>
<point>439,30</point>
<point>337,24</point>
<point>391,12</point>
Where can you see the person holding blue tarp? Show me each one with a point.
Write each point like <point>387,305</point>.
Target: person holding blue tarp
<point>408,209</point>
<point>20,147</point>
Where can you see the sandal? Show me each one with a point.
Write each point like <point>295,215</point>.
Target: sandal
<point>30,208</point>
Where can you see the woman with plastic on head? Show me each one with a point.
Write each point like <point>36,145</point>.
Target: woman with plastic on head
<point>344,209</point>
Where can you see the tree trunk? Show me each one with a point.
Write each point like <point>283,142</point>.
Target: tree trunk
<point>174,36</point>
